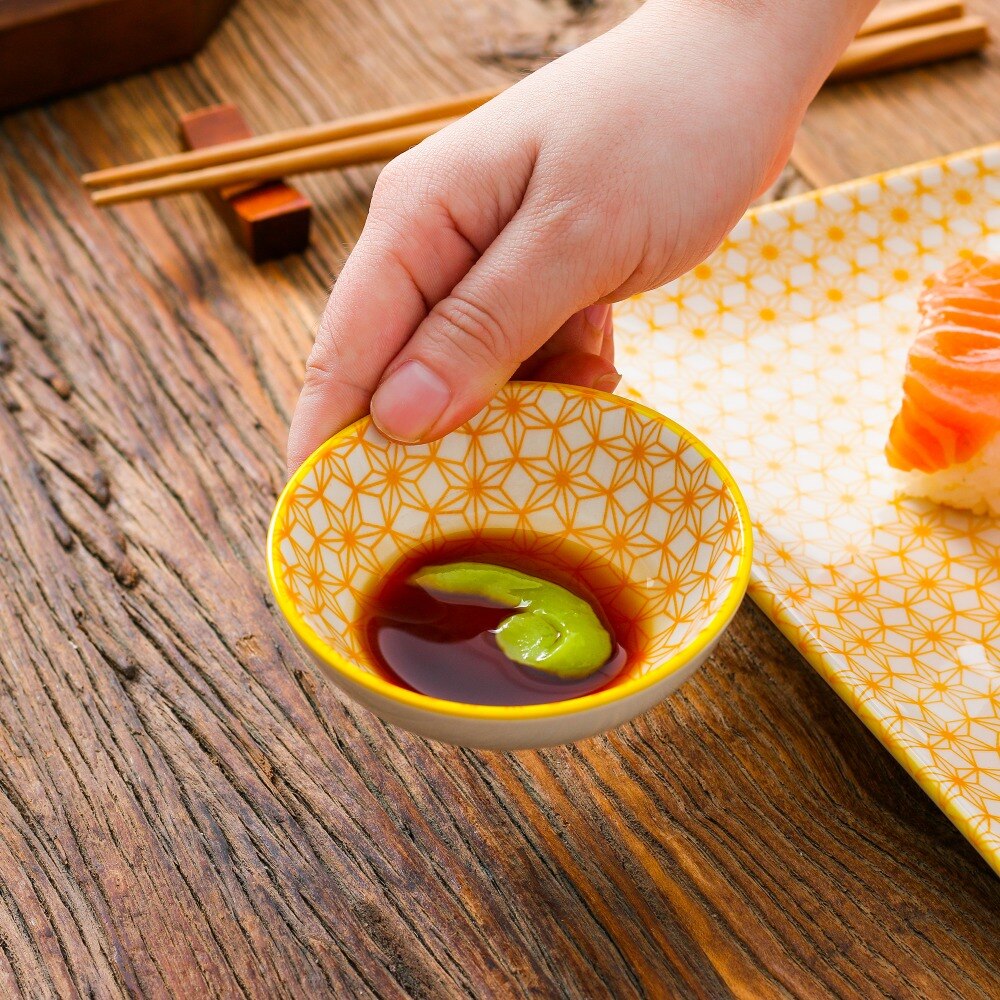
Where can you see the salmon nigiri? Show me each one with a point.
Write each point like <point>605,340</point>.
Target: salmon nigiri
<point>947,431</point>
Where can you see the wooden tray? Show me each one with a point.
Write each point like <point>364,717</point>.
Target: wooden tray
<point>51,47</point>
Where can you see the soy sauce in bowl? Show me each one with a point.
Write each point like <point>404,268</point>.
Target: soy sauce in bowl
<point>444,644</point>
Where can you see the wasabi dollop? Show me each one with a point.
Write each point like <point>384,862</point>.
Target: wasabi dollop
<point>554,631</point>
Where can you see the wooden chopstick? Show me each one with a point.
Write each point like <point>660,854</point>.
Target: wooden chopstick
<point>908,47</point>
<point>909,14</point>
<point>294,138</point>
<point>903,14</point>
<point>875,52</point>
<point>372,148</point>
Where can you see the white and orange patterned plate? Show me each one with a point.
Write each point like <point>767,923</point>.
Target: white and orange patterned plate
<point>785,353</point>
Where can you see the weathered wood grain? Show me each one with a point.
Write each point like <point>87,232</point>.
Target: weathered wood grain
<point>188,809</point>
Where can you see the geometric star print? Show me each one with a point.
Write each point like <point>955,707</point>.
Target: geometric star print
<point>581,471</point>
<point>784,352</point>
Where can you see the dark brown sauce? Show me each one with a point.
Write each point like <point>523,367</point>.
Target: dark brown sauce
<point>443,645</point>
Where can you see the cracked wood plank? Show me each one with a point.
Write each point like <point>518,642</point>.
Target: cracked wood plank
<point>188,809</point>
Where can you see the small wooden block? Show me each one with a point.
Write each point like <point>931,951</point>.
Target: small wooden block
<point>51,47</point>
<point>268,220</point>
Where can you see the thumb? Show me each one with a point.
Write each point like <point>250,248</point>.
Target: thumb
<point>434,210</point>
<point>519,292</point>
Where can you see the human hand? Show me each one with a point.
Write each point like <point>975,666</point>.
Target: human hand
<point>495,247</point>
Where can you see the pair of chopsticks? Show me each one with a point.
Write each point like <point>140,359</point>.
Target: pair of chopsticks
<point>903,34</point>
<point>911,33</point>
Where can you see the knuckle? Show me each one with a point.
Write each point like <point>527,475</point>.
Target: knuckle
<point>477,330</point>
<point>327,370</point>
<point>322,372</point>
<point>318,367</point>
<point>393,179</point>
<point>573,223</point>
<point>567,221</point>
<point>328,381</point>
<point>412,178</point>
<point>325,351</point>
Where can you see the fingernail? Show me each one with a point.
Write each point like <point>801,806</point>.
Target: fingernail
<point>597,315</point>
<point>609,382</point>
<point>408,404</point>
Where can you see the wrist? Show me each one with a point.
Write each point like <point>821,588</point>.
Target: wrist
<point>794,44</point>
<point>757,63</point>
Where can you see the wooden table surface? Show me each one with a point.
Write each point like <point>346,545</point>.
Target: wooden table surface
<point>187,809</point>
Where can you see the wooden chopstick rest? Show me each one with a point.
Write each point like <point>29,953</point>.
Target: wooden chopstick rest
<point>269,219</point>
<point>892,50</point>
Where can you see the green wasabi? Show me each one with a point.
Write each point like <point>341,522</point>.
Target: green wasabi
<point>556,631</point>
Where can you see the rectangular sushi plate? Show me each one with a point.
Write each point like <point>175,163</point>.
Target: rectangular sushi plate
<point>785,353</point>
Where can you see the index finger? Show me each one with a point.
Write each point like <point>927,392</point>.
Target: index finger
<point>396,273</point>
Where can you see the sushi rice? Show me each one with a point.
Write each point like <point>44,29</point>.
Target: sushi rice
<point>973,485</point>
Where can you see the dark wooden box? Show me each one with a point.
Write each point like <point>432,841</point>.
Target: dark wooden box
<point>51,47</point>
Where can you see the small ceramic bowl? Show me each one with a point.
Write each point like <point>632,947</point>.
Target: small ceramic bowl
<point>599,470</point>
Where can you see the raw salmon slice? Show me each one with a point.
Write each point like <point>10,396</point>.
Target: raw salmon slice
<point>951,391</point>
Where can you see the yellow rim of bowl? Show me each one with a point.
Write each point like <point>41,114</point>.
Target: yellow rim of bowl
<point>441,706</point>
